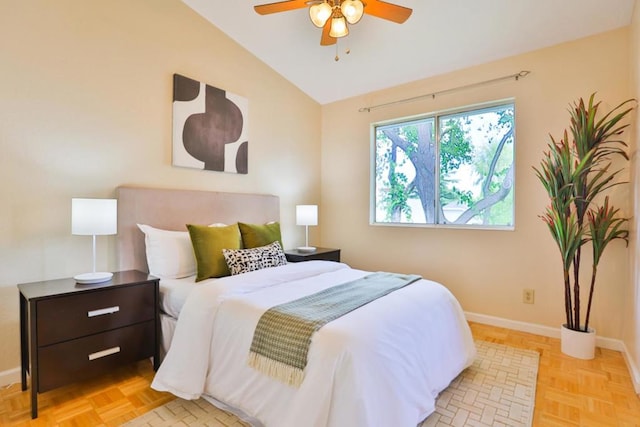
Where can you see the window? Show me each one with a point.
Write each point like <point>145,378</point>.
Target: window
<point>453,168</point>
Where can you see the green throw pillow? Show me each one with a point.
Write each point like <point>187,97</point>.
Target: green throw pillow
<point>208,243</point>
<point>256,235</point>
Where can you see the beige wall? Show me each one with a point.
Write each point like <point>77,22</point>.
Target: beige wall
<point>85,106</point>
<point>632,309</point>
<point>486,270</point>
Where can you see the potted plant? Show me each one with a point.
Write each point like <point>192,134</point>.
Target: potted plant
<point>576,172</point>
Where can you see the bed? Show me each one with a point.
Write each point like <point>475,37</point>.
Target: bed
<point>382,364</point>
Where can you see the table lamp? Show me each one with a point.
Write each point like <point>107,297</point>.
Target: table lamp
<point>94,217</point>
<point>306,215</point>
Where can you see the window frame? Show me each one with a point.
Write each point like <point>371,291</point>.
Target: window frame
<point>436,116</point>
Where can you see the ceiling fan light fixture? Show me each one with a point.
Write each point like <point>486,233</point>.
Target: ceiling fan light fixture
<point>352,10</point>
<point>335,16</point>
<point>320,13</point>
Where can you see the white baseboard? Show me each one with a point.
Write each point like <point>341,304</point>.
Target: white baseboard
<point>633,369</point>
<point>10,376</point>
<point>547,331</point>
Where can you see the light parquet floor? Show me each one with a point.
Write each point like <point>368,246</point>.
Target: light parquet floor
<point>569,392</point>
<point>109,400</point>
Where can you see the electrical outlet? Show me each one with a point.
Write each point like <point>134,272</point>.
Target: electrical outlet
<point>528,296</point>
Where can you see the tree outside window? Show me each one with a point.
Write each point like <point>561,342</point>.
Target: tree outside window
<point>446,169</point>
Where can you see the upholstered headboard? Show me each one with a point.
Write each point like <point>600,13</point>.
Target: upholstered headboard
<point>173,209</point>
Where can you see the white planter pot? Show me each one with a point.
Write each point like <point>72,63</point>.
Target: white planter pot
<point>581,345</point>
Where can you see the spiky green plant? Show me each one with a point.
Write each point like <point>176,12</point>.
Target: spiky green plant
<point>574,173</point>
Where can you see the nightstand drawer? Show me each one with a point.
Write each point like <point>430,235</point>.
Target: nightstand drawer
<point>77,315</point>
<point>90,356</point>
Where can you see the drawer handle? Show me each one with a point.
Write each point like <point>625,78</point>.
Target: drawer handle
<point>104,353</point>
<point>102,311</point>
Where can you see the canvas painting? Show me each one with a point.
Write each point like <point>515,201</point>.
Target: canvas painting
<point>209,127</point>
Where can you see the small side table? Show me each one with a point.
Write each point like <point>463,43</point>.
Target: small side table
<point>71,332</point>
<point>325,254</point>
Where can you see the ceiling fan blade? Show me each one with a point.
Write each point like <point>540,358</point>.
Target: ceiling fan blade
<point>281,6</point>
<point>388,11</point>
<point>326,39</point>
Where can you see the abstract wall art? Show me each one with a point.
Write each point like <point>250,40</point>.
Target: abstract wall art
<point>209,127</point>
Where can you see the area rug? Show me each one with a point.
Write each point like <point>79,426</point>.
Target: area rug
<point>497,390</point>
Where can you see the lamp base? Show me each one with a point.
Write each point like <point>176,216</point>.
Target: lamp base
<point>89,278</point>
<point>306,249</point>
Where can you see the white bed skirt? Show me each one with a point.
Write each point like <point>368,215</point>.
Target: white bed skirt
<point>168,328</point>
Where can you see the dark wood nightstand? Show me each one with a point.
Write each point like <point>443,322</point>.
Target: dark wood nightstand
<point>326,254</point>
<point>71,332</point>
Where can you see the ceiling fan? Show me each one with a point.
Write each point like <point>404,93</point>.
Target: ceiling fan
<point>333,16</point>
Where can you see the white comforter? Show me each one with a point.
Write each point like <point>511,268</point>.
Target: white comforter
<point>380,365</point>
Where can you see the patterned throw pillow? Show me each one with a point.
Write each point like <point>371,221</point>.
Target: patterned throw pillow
<point>246,260</point>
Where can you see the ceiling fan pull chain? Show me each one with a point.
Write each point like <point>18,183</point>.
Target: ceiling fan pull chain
<point>347,51</point>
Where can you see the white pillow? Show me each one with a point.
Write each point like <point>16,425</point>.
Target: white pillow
<point>169,253</point>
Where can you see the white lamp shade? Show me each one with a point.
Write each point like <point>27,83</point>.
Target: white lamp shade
<point>307,215</point>
<point>94,216</point>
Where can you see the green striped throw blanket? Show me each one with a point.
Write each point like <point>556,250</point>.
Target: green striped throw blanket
<point>283,335</point>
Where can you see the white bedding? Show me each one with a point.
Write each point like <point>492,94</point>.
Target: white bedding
<point>174,293</point>
<point>380,365</point>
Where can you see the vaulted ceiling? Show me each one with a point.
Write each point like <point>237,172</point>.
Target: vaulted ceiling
<point>439,37</point>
